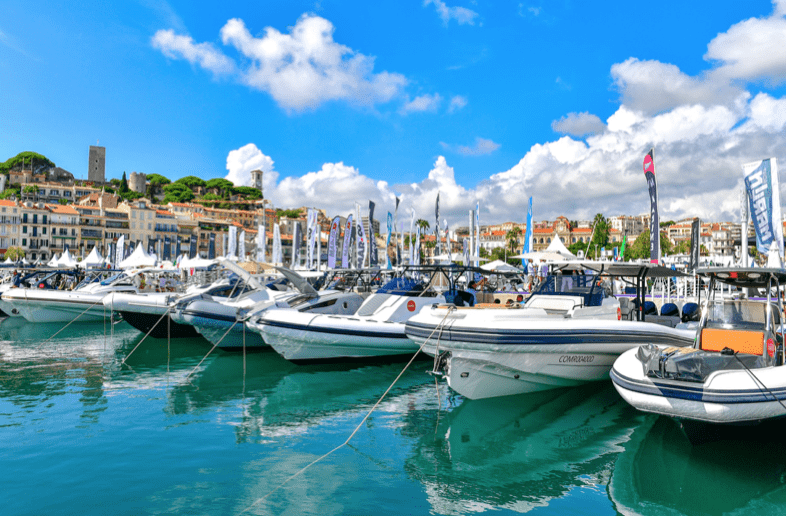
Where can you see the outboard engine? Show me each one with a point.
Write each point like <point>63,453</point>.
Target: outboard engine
<point>650,308</point>
<point>690,312</point>
<point>670,310</point>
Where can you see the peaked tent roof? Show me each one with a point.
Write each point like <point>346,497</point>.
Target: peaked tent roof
<point>139,258</point>
<point>53,261</point>
<point>499,265</point>
<point>556,246</point>
<point>94,259</point>
<point>66,260</point>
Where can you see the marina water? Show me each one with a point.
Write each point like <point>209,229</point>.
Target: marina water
<point>82,433</point>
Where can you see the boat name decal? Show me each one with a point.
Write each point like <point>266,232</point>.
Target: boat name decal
<point>583,359</point>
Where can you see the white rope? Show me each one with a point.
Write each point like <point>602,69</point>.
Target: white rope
<point>146,335</point>
<point>211,350</point>
<point>258,500</point>
<point>72,321</point>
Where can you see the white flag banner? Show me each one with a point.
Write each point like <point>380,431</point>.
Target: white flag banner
<point>120,250</point>
<point>277,258</point>
<point>362,240</point>
<point>261,243</point>
<point>232,249</point>
<point>241,246</point>
<point>348,229</point>
<point>295,245</point>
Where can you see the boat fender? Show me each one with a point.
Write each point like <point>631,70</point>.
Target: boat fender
<point>619,314</point>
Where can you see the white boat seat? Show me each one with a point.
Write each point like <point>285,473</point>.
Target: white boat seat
<point>554,304</point>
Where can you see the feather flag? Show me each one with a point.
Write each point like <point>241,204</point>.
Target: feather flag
<point>362,240</point>
<point>333,242</point>
<point>277,256</point>
<point>348,229</point>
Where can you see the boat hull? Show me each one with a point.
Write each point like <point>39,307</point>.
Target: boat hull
<point>304,337</point>
<point>157,327</point>
<point>520,355</point>
<point>725,397</point>
<point>43,307</point>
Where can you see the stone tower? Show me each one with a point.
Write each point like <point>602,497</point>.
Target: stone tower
<point>96,163</point>
<point>138,182</point>
<point>256,180</point>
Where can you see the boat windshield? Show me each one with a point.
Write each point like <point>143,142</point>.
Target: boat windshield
<point>584,285</point>
<point>738,315</point>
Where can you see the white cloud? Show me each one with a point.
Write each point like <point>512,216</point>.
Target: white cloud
<point>183,47</point>
<point>300,70</point>
<point>578,124</point>
<point>457,102</point>
<point>242,161</point>
<point>482,147</point>
<point>462,15</point>
<point>422,103</point>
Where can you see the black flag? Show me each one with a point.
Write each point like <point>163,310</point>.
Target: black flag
<point>649,173</point>
<point>694,244</point>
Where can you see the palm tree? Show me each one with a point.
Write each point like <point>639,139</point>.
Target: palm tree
<point>423,224</point>
<point>513,238</point>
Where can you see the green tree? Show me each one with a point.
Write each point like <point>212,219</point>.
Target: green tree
<point>641,247</point>
<point>512,237</point>
<point>424,225</point>
<point>221,185</point>
<point>192,182</point>
<point>15,253</point>
<point>28,158</point>
<point>157,180</point>
<point>130,195</point>
<point>63,201</point>
<point>249,192</point>
<point>30,189</point>
<point>9,192</point>
<point>123,187</point>
<point>177,192</point>
<point>290,214</point>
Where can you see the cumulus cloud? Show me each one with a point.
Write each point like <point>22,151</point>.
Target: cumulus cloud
<point>422,103</point>
<point>183,47</point>
<point>578,124</point>
<point>240,163</point>
<point>300,70</point>
<point>462,15</point>
<point>457,102</point>
<point>702,129</point>
<point>482,147</point>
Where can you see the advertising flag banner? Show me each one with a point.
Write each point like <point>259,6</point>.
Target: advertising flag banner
<point>333,242</point>
<point>412,238</point>
<point>764,202</point>
<point>178,248</point>
<point>372,241</point>
<point>151,246</point>
<point>477,232</point>
<point>311,234</point>
<point>241,246</point>
<point>622,251</point>
<point>167,248</point>
<point>120,250</point>
<point>436,227</point>
<point>447,241</point>
<point>528,231</point>
<point>417,246</point>
<point>347,242</point>
<point>192,248</point>
<point>694,245</point>
<point>362,240</point>
<point>649,174</point>
<point>387,245</point>
<point>232,249</point>
<point>277,255</point>
<point>262,237</point>
<point>466,251</point>
<point>295,245</point>
<point>211,249</point>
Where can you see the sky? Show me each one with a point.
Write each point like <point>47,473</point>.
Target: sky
<point>344,102</point>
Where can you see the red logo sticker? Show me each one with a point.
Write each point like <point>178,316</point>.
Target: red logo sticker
<point>411,305</point>
<point>770,348</point>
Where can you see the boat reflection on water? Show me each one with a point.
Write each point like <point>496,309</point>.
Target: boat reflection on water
<point>660,472</point>
<point>520,452</point>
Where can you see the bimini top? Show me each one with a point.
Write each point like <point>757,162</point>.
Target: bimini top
<point>744,277</point>
<point>627,269</point>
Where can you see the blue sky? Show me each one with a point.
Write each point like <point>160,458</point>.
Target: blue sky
<point>345,101</point>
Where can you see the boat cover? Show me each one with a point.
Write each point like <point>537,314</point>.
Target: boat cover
<point>691,364</point>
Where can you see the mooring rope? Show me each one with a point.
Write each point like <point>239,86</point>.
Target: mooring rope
<point>296,474</point>
<point>147,334</point>
<point>70,323</point>
<point>211,349</point>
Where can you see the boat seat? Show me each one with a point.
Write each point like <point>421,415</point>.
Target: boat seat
<point>554,303</point>
<point>741,341</point>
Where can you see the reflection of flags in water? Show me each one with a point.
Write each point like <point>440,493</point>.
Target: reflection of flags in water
<point>211,247</point>
<point>649,174</point>
<point>348,229</point>
<point>387,245</point>
<point>762,187</point>
<point>333,242</point>
<point>295,245</point>
<point>241,246</point>
<point>362,242</point>
<point>277,258</point>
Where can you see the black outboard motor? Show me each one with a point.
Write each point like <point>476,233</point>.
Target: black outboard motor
<point>690,312</point>
<point>670,310</point>
<point>650,308</point>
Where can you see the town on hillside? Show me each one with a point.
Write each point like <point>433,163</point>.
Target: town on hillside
<point>45,210</point>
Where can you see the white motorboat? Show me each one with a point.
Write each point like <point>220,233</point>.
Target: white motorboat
<point>221,320</point>
<point>375,329</point>
<point>735,371</point>
<point>46,302</point>
<point>568,332</point>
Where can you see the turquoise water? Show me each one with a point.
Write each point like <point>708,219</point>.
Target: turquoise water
<point>83,434</point>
